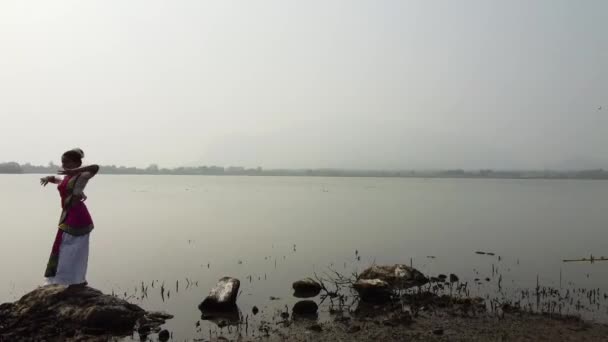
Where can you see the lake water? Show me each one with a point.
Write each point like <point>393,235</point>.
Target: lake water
<point>196,229</point>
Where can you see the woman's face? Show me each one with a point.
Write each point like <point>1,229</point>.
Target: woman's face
<point>66,163</point>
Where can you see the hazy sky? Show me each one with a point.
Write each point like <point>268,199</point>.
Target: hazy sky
<point>306,83</point>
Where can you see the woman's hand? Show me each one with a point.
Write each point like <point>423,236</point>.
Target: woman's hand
<point>44,181</point>
<point>79,198</point>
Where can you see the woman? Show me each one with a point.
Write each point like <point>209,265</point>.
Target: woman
<point>69,256</point>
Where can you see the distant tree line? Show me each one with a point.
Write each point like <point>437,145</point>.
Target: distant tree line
<point>11,167</point>
<point>154,169</point>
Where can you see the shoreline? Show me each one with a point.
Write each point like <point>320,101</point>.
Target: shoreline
<point>414,312</point>
<point>422,177</point>
<point>445,325</point>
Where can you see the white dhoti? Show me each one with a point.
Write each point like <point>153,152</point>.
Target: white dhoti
<point>73,260</point>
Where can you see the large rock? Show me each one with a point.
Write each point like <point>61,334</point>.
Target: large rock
<point>398,276</point>
<point>164,336</point>
<point>376,283</point>
<point>56,312</point>
<point>223,296</point>
<point>373,289</point>
<point>306,288</point>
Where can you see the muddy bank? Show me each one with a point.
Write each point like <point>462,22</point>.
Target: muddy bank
<point>442,326</point>
<point>437,318</point>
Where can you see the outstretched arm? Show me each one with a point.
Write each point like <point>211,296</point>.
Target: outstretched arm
<point>50,179</point>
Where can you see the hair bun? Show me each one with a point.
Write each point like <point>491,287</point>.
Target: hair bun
<point>79,151</point>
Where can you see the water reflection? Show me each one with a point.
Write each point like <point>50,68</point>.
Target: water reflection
<point>229,317</point>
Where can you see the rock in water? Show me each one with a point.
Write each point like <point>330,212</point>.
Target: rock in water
<point>453,278</point>
<point>223,296</point>
<point>56,312</point>
<point>398,276</point>
<point>164,336</point>
<point>373,289</point>
<point>220,306</point>
<point>305,308</point>
<point>377,282</point>
<point>306,288</point>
